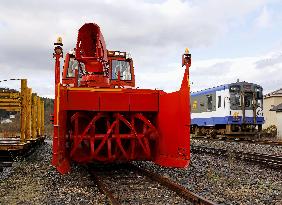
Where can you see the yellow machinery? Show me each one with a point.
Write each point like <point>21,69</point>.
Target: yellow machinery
<point>31,108</point>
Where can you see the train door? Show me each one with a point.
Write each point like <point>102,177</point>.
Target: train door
<point>221,103</point>
<point>247,106</point>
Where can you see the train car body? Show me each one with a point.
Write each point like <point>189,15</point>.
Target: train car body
<point>229,109</point>
<point>99,115</point>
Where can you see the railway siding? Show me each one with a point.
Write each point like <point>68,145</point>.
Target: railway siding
<point>232,145</point>
<point>274,161</point>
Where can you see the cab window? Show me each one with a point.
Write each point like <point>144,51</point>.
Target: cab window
<point>73,64</point>
<point>123,67</point>
<point>248,99</point>
<point>234,89</point>
<point>258,92</point>
<point>236,100</point>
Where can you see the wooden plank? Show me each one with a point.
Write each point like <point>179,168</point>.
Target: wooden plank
<point>10,108</point>
<point>10,95</point>
<point>9,100</point>
<point>11,146</point>
<point>5,104</point>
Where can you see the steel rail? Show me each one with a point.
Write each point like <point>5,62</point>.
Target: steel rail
<point>274,161</point>
<point>238,140</point>
<point>103,188</point>
<point>5,164</point>
<point>165,182</point>
<point>6,160</point>
<point>171,185</point>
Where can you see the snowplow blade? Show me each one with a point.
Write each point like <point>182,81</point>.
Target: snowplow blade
<point>173,146</point>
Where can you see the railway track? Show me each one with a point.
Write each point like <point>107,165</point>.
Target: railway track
<point>4,164</point>
<point>241,140</point>
<point>129,184</point>
<point>6,160</point>
<point>274,161</point>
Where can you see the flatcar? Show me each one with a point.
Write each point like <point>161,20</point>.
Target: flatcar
<point>230,109</point>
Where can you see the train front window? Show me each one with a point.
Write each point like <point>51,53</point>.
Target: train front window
<point>234,89</point>
<point>236,101</point>
<point>235,97</point>
<point>123,67</point>
<point>258,92</point>
<point>248,100</point>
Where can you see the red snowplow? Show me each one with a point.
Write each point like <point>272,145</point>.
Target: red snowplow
<point>99,115</point>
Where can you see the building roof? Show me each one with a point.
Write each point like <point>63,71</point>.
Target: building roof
<point>274,93</point>
<point>277,108</point>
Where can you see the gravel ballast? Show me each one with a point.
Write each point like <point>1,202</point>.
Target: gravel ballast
<point>223,180</point>
<point>35,181</point>
<point>226,180</point>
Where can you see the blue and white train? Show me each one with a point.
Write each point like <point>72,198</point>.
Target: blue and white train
<point>229,109</point>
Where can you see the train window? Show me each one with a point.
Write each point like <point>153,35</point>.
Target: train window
<point>209,97</point>
<point>234,89</point>
<point>248,100</point>
<point>247,87</point>
<point>258,92</point>
<point>236,100</point>
<point>219,102</point>
<point>123,67</point>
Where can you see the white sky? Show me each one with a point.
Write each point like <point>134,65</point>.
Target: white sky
<point>228,39</point>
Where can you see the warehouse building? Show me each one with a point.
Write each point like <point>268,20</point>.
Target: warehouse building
<point>278,112</point>
<point>270,108</point>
